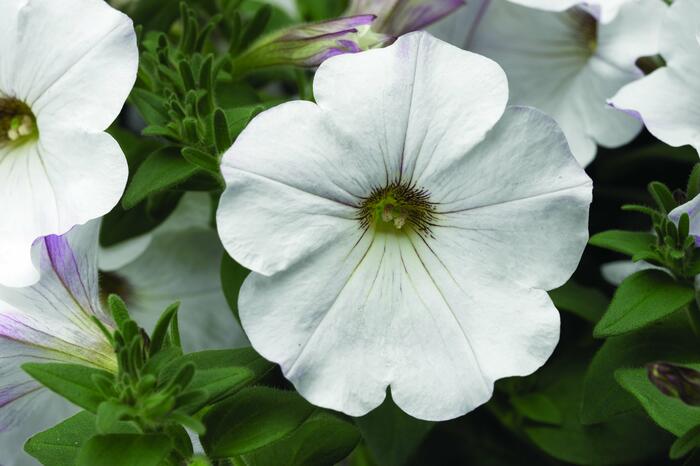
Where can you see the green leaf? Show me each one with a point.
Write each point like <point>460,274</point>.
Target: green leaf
<point>587,303</point>
<point>641,299</point>
<point>392,435</point>
<point>626,242</point>
<point>59,445</point>
<point>222,137</point>
<point>251,419</point>
<point>693,188</point>
<point>537,407</point>
<point>603,398</point>
<point>685,444</point>
<point>221,373</point>
<point>201,159</point>
<point>125,450</point>
<point>109,415</point>
<point>670,413</point>
<point>162,170</point>
<point>321,440</point>
<point>160,332</point>
<point>232,277</point>
<point>608,443</point>
<point>662,196</point>
<point>151,106</point>
<point>71,381</point>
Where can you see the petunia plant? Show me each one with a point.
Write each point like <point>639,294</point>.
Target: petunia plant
<point>349,232</point>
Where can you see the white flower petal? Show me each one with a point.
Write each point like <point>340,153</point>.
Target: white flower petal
<point>667,99</point>
<point>528,207</point>
<point>52,320</point>
<point>568,65</point>
<point>617,271</point>
<point>412,109</point>
<point>348,305</point>
<point>183,266</point>
<point>73,70</point>
<point>39,412</point>
<point>48,187</point>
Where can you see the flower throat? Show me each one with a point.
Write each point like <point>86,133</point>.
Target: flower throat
<point>398,207</point>
<point>17,122</point>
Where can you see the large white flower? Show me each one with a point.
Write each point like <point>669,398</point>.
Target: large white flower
<point>402,231</point>
<point>180,260</point>
<point>668,100</point>
<point>567,64</point>
<point>50,321</point>
<point>66,68</point>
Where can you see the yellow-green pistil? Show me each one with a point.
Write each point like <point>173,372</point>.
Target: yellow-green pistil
<point>17,122</point>
<point>398,207</point>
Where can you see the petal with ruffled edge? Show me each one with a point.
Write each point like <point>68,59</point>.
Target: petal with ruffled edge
<point>604,10</point>
<point>52,320</point>
<point>74,72</point>
<point>367,309</point>
<point>667,99</point>
<point>568,65</point>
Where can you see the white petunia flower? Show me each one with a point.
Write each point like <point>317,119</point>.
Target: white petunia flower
<point>398,17</point>
<point>604,10</point>
<point>66,68</point>
<point>50,321</point>
<point>567,64</point>
<point>403,230</point>
<point>668,100</point>
<point>179,261</point>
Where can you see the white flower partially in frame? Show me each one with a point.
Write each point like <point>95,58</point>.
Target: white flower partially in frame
<point>604,10</point>
<point>402,231</point>
<point>50,321</point>
<point>567,64</point>
<point>178,261</point>
<point>66,69</point>
<point>668,100</point>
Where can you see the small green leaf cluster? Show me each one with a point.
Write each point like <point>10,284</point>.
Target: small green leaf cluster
<point>653,316</point>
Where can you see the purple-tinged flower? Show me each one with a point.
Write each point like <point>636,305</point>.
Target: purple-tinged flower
<point>51,321</point>
<point>398,17</point>
<point>676,381</point>
<point>311,44</point>
<point>667,99</point>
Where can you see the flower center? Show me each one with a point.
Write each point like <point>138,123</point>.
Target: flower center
<point>17,122</point>
<point>587,25</point>
<point>398,207</point>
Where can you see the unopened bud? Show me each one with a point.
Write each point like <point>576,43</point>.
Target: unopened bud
<point>676,381</point>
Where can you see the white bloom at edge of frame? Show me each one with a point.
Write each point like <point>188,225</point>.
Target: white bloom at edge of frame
<point>64,77</point>
<point>668,100</point>
<point>50,321</point>
<point>402,233</point>
<point>178,261</point>
<point>566,64</point>
<point>605,10</point>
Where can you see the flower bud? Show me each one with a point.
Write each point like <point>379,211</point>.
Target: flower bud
<point>398,17</point>
<point>676,381</point>
<point>311,44</point>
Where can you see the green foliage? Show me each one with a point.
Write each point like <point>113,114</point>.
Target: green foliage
<point>392,435</point>
<point>232,276</point>
<point>251,419</point>
<point>125,450</point>
<point>685,444</point>
<point>72,381</point>
<point>671,414</point>
<point>625,242</point>
<point>642,299</point>
<point>603,398</point>
<point>322,440</point>
<point>585,302</point>
<point>59,446</point>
